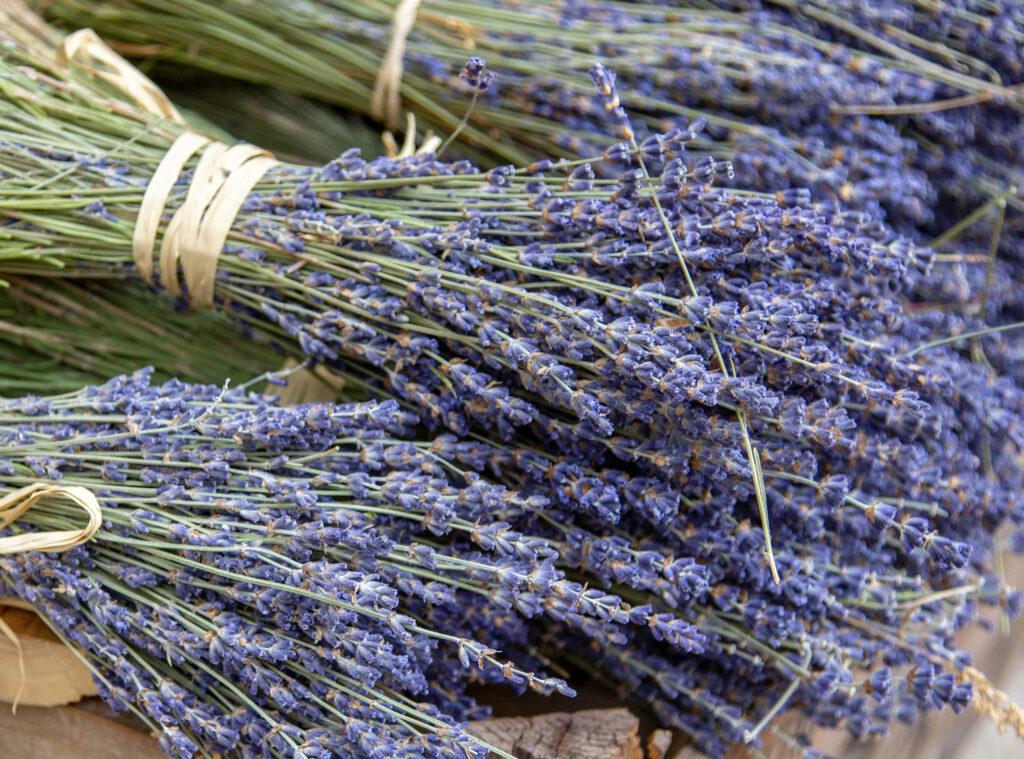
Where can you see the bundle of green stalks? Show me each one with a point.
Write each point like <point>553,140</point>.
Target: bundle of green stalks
<point>289,125</point>
<point>58,336</point>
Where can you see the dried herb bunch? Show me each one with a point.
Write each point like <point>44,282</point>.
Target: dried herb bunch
<point>58,336</point>
<point>907,112</point>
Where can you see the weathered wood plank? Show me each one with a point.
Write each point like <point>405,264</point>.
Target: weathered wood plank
<point>68,731</point>
<point>658,744</point>
<point>53,674</point>
<point>89,731</point>
<point>593,734</point>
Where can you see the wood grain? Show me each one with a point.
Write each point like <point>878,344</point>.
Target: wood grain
<point>70,732</point>
<point>53,675</point>
<point>658,744</point>
<point>593,734</point>
<point>88,731</point>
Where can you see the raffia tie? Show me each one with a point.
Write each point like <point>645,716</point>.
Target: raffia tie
<point>12,506</point>
<point>223,178</point>
<point>13,637</point>
<point>386,103</point>
<point>86,51</point>
<point>431,141</point>
<point>196,234</point>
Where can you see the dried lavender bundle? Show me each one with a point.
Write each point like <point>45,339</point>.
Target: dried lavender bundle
<point>909,113</point>
<point>571,309</point>
<point>262,581</point>
<point>59,336</point>
<point>862,103</point>
<point>301,580</point>
<point>658,402</point>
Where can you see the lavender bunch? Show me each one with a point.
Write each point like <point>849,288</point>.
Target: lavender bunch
<point>59,336</point>
<point>309,580</point>
<point>838,89</point>
<point>263,582</point>
<point>573,312</point>
<point>299,582</point>
<point>908,113</point>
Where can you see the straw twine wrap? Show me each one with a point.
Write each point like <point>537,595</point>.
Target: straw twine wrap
<point>12,506</point>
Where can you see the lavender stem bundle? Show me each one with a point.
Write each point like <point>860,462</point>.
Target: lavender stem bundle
<point>58,336</point>
<point>600,361</point>
<point>881,106</point>
<point>258,583</point>
<point>273,580</point>
<point>906,112</point>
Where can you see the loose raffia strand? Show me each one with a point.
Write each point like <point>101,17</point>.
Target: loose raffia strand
<point>13,505</point>
<point>386,104</point>
<point>16,642</point>
<point>431,142</point>
<point>85,50</point>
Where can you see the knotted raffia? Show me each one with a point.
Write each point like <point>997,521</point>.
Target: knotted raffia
<point>14,505</point>
<point>196,234</point>
<point>86,51</point>
<point>223,178</point>
<point>386,103</point>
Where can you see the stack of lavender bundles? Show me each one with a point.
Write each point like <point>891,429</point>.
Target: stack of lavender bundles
<point>809,87</point>
<point>910,112</point>
<point>639,373</point>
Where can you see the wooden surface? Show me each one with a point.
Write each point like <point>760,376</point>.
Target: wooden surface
<point>658,744</point>
<point>88,731</point>
<point>594,734</point>
<point>71,732</point>
<point>53,675</point>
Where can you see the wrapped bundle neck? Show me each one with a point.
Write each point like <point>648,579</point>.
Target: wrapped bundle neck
<point>222,179</point>
<point>197,231</point>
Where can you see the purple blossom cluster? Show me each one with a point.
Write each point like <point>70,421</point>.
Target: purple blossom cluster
<point>911,115</point>
<point>598,382</point>
<point>315,581</point>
